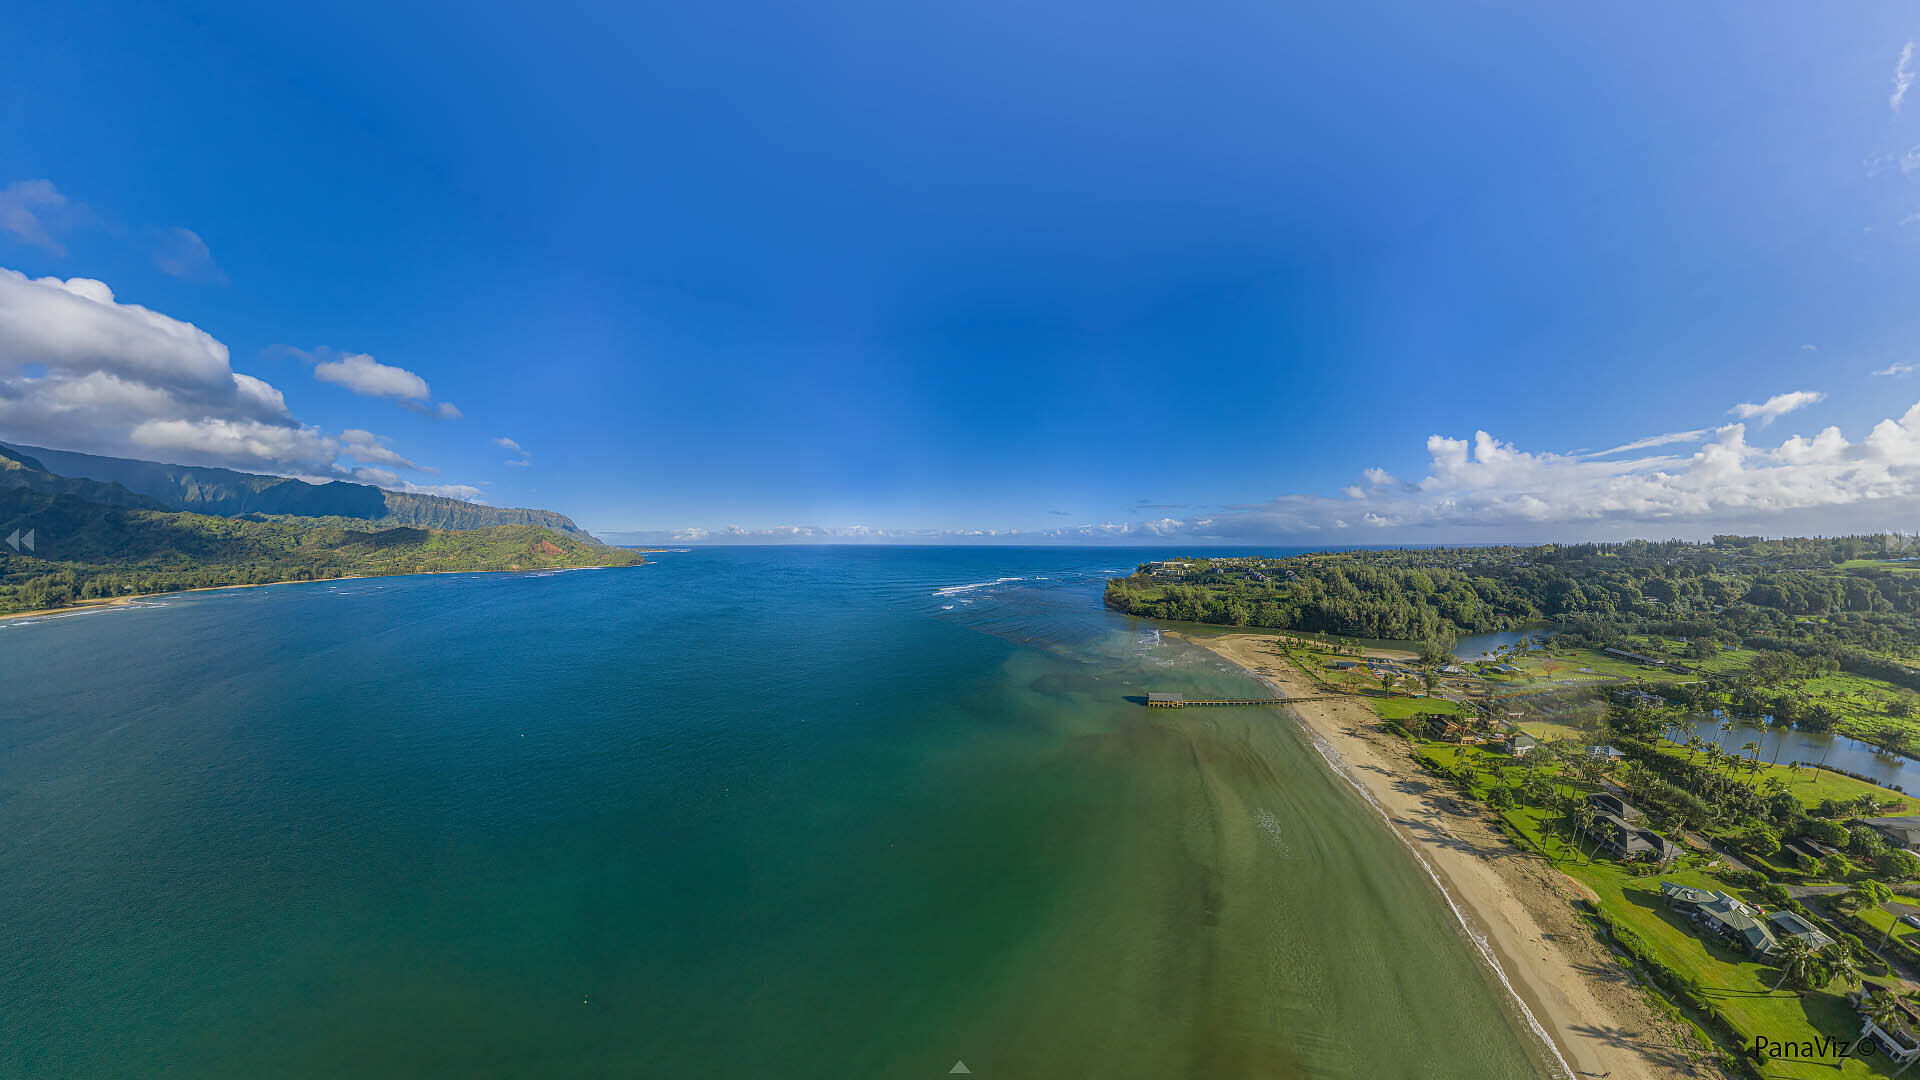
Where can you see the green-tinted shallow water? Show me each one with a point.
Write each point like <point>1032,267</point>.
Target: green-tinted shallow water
<point>762,812</point>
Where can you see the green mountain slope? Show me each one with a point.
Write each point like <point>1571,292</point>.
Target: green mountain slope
<point>227,493</point>
<point>92,550</point>
<point>19,471</point>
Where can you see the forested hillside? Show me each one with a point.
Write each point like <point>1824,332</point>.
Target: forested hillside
<point>1856,590</point>
<point>227,493</point>
<point>94,541</point>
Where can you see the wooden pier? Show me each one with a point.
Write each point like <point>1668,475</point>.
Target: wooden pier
<point>1177,701</point>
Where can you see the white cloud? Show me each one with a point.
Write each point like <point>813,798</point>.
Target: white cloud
<point>247,443</point>
<point>1165,526</point>
<point>446,411</point>
<point>77,324</point>
<point>82,370</point>
<point>1902,77</point>
<point>384,478</point>
<point>181,253</point>
<point>28,209</point>
<point>1482,486</point>
<point>362,374</point>
<point>1776,406</point>
<point>1826,448</point>
<point>368,448</point>
<point>1895,369</point>
<point>525,459</point>
<point>1668,439</point>
<point>1378,478</point>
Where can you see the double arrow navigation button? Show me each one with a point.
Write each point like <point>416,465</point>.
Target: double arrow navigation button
<point>17,541</point>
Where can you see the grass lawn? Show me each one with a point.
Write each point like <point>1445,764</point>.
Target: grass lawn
<point>1739,987</point>
<point>1881,920</point>
<point>1736,985</point>
<point>1546,730</point>
<point>1813,786</point>
<point>1863,704</point>
<point>1565,664</point>
<point>1402,708</point>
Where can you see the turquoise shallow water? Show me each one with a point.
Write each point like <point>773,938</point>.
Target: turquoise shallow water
<point>797,812</point>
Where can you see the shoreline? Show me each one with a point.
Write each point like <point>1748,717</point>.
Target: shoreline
<point>1516,908</point>
<point>104,603</point>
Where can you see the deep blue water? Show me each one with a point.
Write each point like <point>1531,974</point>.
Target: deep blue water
<point>740,812</point>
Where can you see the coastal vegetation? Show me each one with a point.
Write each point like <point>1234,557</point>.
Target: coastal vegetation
<point>94,541</point>
<point>1823,634</point>
<point>1532,747</point>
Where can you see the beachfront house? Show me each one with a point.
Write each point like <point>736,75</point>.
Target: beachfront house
<point>1902,831</point>
<point>1897,1039</point>
<point>1788,924</point>
<point>1727,917</point>
<point>1627,842</point>
<point>1606,802</point>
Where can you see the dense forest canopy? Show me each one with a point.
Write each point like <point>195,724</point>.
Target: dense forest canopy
<point>1843,592</point>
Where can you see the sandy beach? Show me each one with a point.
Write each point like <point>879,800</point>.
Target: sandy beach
<point>1515,904</point>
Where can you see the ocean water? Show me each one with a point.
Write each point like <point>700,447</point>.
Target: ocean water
<point>834,812</point>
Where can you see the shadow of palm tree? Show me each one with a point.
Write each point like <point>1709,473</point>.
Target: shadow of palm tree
<point>1667,1054</point>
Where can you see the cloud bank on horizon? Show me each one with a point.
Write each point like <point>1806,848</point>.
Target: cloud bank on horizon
<point>1480,489</point>
<point>82,370</point>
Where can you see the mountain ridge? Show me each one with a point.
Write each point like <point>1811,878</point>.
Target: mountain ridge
<point>231,493</point>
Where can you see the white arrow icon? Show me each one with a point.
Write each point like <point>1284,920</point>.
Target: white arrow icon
<point>959,1067</point>
<point>28,540</point>
<point>14,540</point>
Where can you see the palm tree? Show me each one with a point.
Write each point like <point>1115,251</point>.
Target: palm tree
<point>1694,743</point>
<point>1841,965</point>
<point>1879,1010</point>
<point>1583,820</point>
<point>1752,750</point>
<point>1798,962</point>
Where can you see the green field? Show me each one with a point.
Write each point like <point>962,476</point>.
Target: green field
<point>1889,918</point>
<point>1547,730</point>
<point>1400,707</point>
<point>1813,786</point>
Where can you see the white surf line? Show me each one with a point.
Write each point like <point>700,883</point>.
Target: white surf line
<point>952,589</point>
<point>1339,766</point>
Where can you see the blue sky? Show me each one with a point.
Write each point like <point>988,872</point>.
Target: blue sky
<point>1131,272</point>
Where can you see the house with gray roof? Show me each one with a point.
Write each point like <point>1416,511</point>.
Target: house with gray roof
<point>1789,924</point>
<point>1606,802</point>
<point>1902,831</point>
<point>1627,841</point>
<point>1726,916</point>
